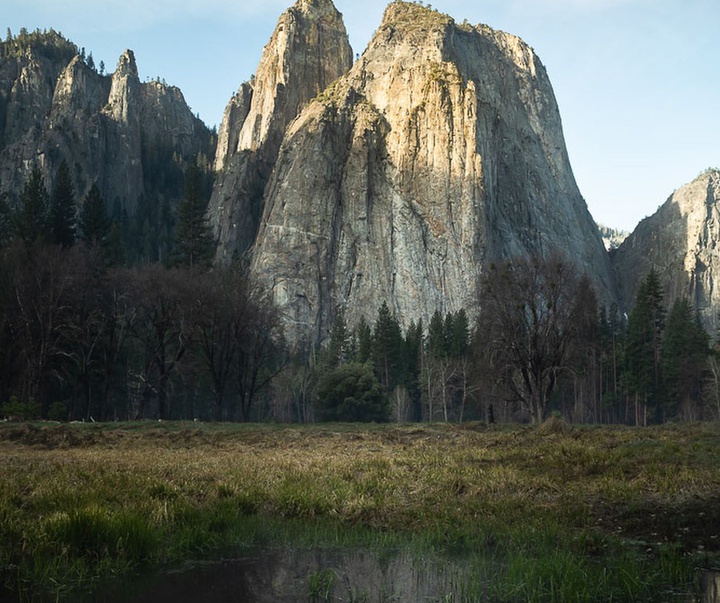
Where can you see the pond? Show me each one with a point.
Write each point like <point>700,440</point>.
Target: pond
<point>270,575</point>
<point>274,575</point>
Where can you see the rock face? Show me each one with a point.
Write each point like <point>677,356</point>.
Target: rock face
<point>681,242</point>
<point>441,150</point>
<point>308,50</point>
<point>111,130</point>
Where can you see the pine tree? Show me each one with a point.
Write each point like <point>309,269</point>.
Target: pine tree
<point>194,244</point>
<point>685,349</point>
<point>642,347</point>
<point>413,363</point>
<point>63,211</point>
<point>114,250</point>
<point>363,334</point>
<point>387,348</point>
<point>94,222</point>
<point>5,220</point>
<point>459,334</point>
<point>437,342</point>
<point>31,220</point>
<point>336,351</point>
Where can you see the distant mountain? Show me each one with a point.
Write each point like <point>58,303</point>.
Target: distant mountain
<point>681,241</point>
<point>132,139</point>
<point>612,237</point>
<point>400,177</point>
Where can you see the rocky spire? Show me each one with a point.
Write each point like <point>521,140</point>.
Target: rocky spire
<point>124,90</point>
<point>308,50</point>
<point>59,108</point>
<point>439,152</point>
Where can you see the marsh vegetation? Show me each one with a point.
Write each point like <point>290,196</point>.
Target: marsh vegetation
<point>554,512</point>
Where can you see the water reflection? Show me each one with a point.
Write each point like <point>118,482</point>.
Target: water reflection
<point>270,575</point>
<point>279,576</point>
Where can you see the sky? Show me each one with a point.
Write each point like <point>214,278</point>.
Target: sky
<point>637,81</point>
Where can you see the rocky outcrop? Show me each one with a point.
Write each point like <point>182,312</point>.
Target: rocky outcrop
<point>681,241</point>
<point>308,50</point>
<point>111,130</point>
<point>439,152</point>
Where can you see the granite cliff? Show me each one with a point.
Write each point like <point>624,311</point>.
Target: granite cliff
<point>441,150</point>
<point>308,50</point>
<point>111,130</point>
<point>680,241</point>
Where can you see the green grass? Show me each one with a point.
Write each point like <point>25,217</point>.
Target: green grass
<point>582,514</point>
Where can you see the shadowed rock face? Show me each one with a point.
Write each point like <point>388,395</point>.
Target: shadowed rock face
<point>308,50</point>
<point>441,150</point>
<point>53,107</point>
<point>681,242</point>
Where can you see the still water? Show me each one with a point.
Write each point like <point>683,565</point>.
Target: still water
<point>270,575</point>
<point>279,576</point>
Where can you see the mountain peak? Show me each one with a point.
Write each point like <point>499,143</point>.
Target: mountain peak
<point>308,50</point>
<point>411,173</point>
<point>414,16</point>
<point>126,64</point>
<point>315,6</point>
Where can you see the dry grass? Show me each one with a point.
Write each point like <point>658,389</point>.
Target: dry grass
<point>164,490</point>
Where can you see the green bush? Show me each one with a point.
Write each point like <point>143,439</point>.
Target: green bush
<point>351,392</point>
<point>14,410</point>
<point>58,411</point>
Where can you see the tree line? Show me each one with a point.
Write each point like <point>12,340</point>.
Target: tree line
<point>89,333</point>
<point>539,343</point>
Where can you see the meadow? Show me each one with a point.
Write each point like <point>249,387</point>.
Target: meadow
<point>549,513</point>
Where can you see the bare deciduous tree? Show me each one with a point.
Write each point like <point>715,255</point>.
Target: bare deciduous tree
<point>528,321</point>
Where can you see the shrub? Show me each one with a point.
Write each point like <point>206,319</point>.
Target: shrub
<point>14,410</point>
<point>58,411</point>
<point>351,392</point>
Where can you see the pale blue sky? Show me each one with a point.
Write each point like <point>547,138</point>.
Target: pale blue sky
<point>637,81</point>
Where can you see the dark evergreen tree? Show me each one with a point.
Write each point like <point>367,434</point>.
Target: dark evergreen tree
<point>685,349</point>
<point>5,221</point>
<point>31,219</point>
<point>642,348</point>
<point>336,352</point>
<point>387,348</point>
<point>96,228</point>
<point>95,225</point>
<point>363,334</point>
<point>194,243</point>
<point>437,342</point>
<point>113,249</point>
<point>413,364</point>
<point>459,335</point>
<point>611,344</point>
<point>63,209</point>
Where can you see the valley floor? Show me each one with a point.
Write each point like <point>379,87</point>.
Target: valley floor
<point>607,511</point>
